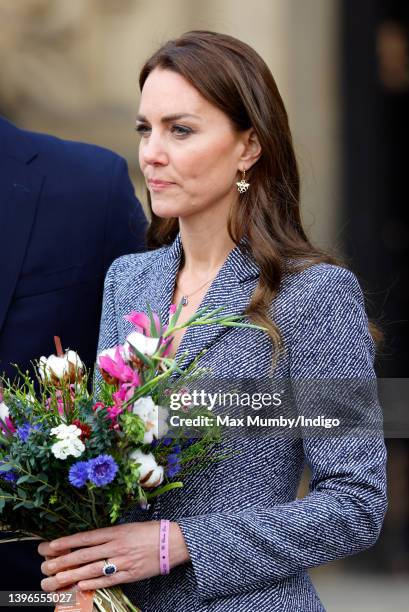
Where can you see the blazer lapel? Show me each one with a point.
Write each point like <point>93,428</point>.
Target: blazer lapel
<point>20,187</point>
<point>232,288</point>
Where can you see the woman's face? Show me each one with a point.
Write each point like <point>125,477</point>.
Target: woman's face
<point>189,152</point>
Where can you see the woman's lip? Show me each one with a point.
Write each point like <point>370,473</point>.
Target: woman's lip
<point>156,183</point>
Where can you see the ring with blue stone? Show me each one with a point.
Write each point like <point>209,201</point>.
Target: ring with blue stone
<point>109,568</point>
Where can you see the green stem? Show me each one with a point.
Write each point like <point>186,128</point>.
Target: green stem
<point>21,469</point>
<point>164,489</point>
<point>14,497</point>
<point>93,509</point>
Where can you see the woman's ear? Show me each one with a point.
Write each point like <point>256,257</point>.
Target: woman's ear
<point>251,150</point>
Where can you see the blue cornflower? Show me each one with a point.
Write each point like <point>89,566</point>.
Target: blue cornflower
<point>172,470</point>
<point>167,441</point>
<point>8,475</point>
<point>78,474</point>
<point>25,430</point>
<point>102,470</point>
<point>173,458</point>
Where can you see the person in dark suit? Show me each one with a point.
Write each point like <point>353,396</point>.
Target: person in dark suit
<point>67,210</point>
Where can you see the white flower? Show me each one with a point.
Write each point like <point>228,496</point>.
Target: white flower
<point>66,432</point>
<point>150,473</point>
<point>66,447</point>
<point>111,353</point>
<point>68,443</point>
<point>154,417</point>
<point>65,366</point>
<point>4,411</point>
<point>73,358</point>
<point>143,344</point>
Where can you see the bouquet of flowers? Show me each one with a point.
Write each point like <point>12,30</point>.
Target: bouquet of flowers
<point>73,460</point>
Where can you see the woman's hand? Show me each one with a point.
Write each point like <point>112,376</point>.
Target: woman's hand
<point>132,547</point>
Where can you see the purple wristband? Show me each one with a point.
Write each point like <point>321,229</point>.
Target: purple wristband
<point>164,547</point>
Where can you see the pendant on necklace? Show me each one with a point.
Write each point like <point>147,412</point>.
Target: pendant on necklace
<point>185,301</point>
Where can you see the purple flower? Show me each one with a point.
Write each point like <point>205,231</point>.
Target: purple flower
<point>25,430</point>
<point>173,458</point>
<point>172,470</point>
<point>102,470</point>
<point>78,474</point>
<point>8,475</point>
<point>167,441</point>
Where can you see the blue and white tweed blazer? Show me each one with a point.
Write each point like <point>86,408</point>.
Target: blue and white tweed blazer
<point>251,541</point>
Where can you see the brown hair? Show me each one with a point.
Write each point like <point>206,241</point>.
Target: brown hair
<point>233,77</point>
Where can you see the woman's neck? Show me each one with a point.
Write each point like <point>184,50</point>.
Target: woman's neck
<point>205,248</point>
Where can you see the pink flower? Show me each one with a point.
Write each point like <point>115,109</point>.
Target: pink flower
<point>9,427</point>
<point>112,415</point>
<point>59,399</point>
<point>98,406</point>
<point>142,323</point>
<point>124,394</point>
<point>113,412</point>
<point>118,369</point>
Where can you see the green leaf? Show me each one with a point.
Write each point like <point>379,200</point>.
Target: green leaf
<point>144,358</point>
<point>164,489</point>
<point>6,467</point>
<point>22,493</point>
<point>25,478</point>
<point>175,316</point>
<point>153,330</point>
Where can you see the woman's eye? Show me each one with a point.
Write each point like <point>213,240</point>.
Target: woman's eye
<point>142,129</point>
<point>181,130</point>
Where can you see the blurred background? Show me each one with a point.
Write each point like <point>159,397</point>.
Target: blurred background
<point>70,68</point>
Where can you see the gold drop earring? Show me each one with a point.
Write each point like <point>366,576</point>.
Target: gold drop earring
<point>242,185</point>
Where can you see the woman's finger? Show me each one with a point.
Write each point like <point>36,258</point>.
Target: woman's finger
<point>105,581</point>
<point>45,551</point>
<point>78,557</point>
<point>91,571</point>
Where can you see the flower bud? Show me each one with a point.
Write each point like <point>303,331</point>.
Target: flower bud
<point>150,473</point>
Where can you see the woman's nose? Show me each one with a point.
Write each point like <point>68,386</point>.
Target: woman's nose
<point>153,150</point>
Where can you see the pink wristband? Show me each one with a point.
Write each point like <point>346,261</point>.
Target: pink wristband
<point>164,547</point>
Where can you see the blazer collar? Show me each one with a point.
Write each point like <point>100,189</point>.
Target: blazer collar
<point>232,288</point>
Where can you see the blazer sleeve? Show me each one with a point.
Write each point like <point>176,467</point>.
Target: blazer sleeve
<point>126,224</point>
<point>344,510</point>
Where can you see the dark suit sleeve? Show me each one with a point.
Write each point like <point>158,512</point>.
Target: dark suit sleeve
<point>126,223</point>
<point>343,512</point>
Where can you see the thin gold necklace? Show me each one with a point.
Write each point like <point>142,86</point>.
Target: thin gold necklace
<point>186,296</point>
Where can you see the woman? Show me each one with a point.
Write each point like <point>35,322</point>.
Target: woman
<point>218,160</point>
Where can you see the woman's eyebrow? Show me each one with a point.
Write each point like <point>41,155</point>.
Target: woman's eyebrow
<point>168,118</point>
